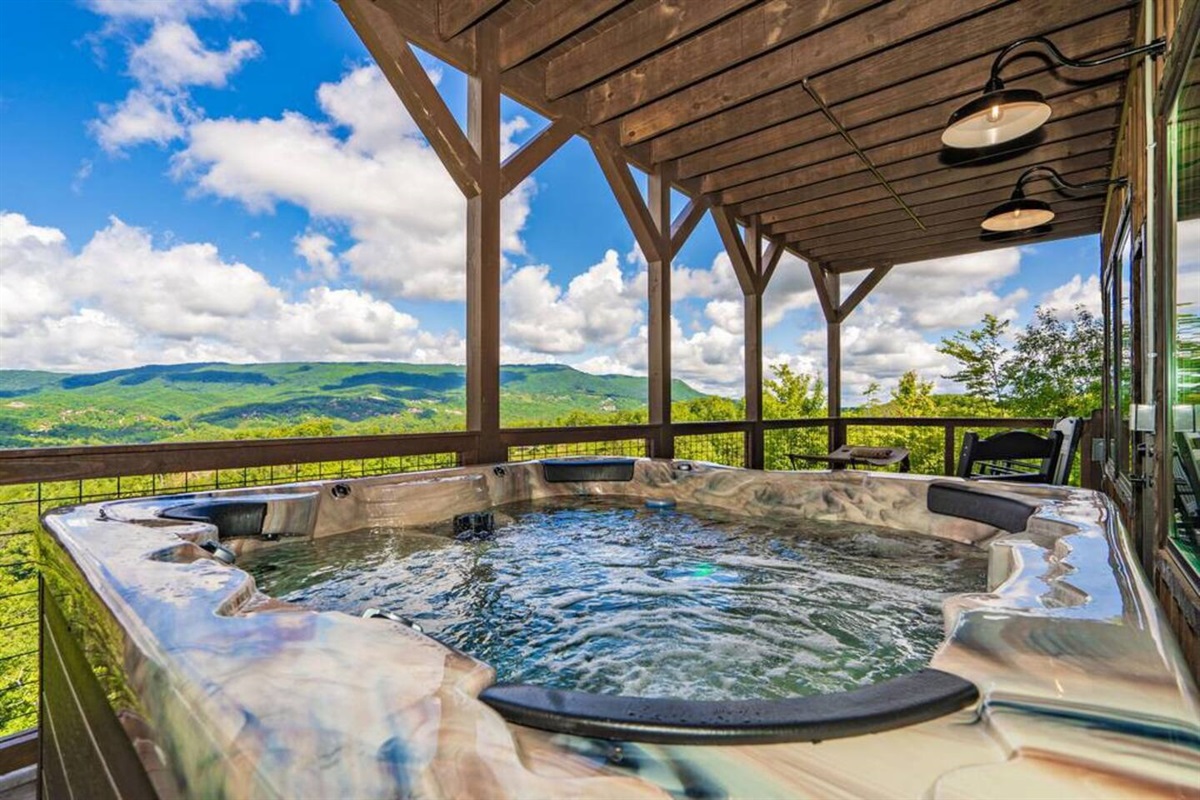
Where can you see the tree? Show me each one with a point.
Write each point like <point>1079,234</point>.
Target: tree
<point>1057,365</point>
<point>912,397</point>
<point>790,395</point>
<point>983,359</point>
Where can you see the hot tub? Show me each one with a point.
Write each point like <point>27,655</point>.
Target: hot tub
<point>167,672</point>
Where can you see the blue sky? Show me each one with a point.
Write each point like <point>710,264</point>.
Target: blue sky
<point>232,180</point>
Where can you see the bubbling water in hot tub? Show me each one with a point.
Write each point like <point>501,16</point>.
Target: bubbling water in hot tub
<point>608,596</point>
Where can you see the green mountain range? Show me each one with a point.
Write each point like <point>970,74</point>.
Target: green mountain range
<point>222,401</point>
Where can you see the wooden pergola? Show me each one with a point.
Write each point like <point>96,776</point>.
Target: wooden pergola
<point>800,126</point>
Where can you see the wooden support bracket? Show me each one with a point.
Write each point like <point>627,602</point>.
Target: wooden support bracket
<point>771,261</point>
<point>736,248</point>
<point>521,164</point>
<point>404,72</point>
<point>823,282</point>
<point>861,291</point>
<point>629,198</point>
<point>686,221</point>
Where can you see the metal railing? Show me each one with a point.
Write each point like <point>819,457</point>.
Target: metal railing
<point>34,480</point>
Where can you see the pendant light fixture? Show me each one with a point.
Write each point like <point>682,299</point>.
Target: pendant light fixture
<point>1001,114</point>
<point>1020,213</point>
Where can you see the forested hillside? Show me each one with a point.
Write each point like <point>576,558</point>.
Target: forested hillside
<point>223,401</point>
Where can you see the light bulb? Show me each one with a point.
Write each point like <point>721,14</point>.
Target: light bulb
<point>994,113</point>
<point>1016,212</point>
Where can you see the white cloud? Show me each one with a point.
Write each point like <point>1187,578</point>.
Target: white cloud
<point>791,288</point>
<point>163,65</point>
<point>317,251</point>
<point>143,10</point>
<point>1062,300</point>
<point>598,308</point>
<point>951,292</point>
<point>383,181</point>
<point>878,346</point>
<point>174,57</point>
<point>121,301</point>
<point>143,116</point>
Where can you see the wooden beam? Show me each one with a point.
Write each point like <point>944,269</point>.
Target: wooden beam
<point>798,137</point>
<point>632,39</point>
<point>963,247</point>
<point>839,44</point>
<point>658,328</point>
<point>970,210</point>
<point>906,168</point>
<point>829,157</point>
<point>753,125</point>
<point>966,231</point>
<point>544,24</point>
<point>861,291</point>
<point>809,200</point>
<point>1085,169</point>
<point>758,29</point>
<point>521,164</point>
<point>455,16</point>
<point>408,78</point>
<point>735,247</point>
<point>483,253</point>
<point>686,221</point>
<point>629,198</point>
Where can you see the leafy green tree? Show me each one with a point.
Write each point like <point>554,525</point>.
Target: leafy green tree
<point>1057,365</point>
<point>792,395</point>
<point>983,359</point>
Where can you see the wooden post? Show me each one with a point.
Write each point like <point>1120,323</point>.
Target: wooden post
<point>833,359</point>
<point>658,285</point>
<point>949,450</point>
<point>753,356</point>
<point>483,252</point>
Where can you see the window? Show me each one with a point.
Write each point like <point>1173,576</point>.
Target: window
<point>1183,264</point>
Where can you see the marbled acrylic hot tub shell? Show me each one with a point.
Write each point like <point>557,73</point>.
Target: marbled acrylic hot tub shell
<point>225,692</point>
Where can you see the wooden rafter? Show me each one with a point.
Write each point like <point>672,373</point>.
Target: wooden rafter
<point>756,30</point>
<point>977,245</point>
<point>545,23</point>
<point>714,89</point>
<point>631,40</point>
<point>995,188</point>
<point>920,189</point>
<point>917,171</point>
<point>455,16</point>
<point>836,45</point>
<point>829,157</point>
<point>531,155</point>
<point>783,118</point>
